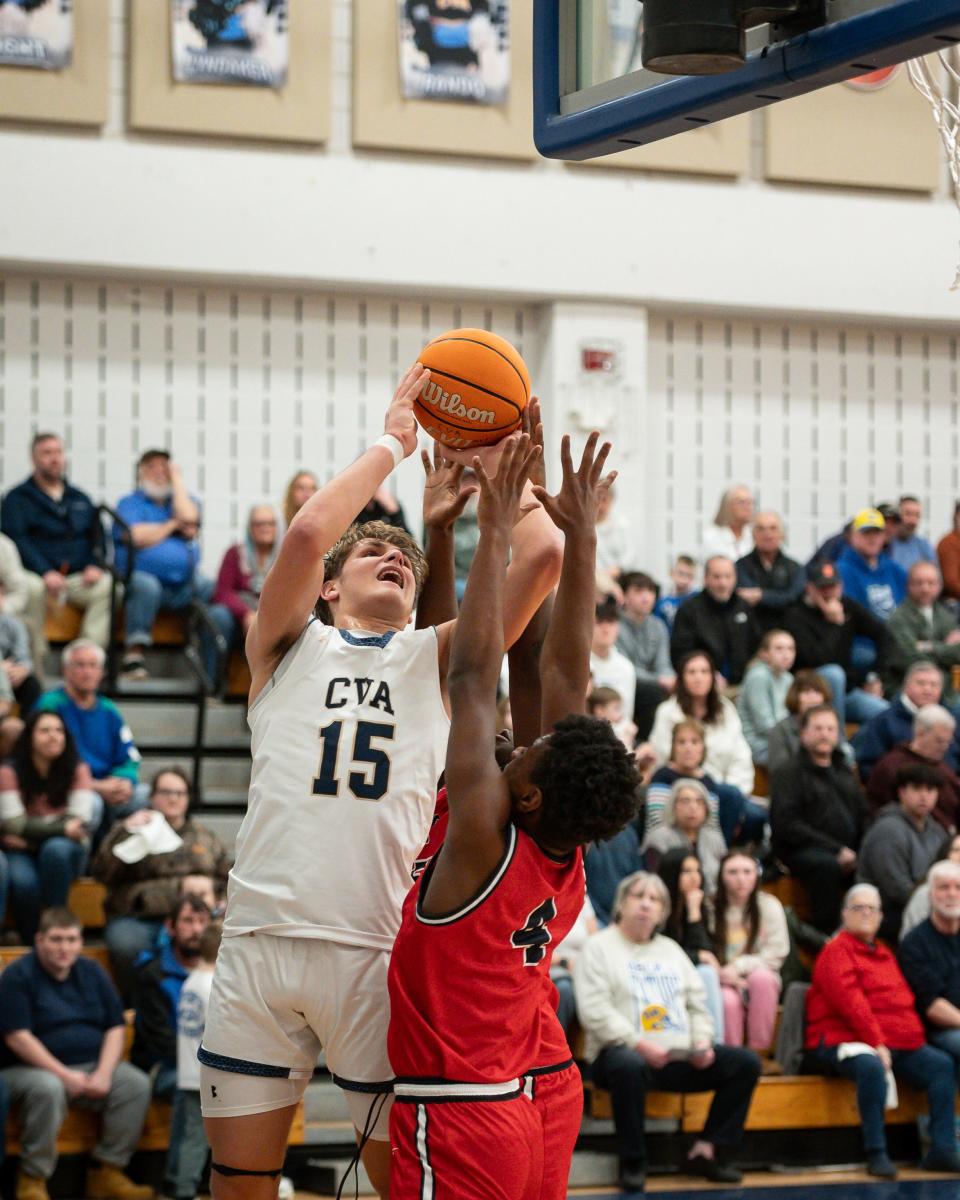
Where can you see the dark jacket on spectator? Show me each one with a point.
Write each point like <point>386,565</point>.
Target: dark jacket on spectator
<point>149,888</point>
<point>905,630</point>
<point>884,731</point>
<point>156,994</point>
<point>820,642</point>
<point>815,806</point>
<point>930,961</point>
<point>52,535</point>
<point>895,857</point>
<point>728,632</point>
<point>782,585</point>
<point>606,863</point>
<point>882,788</point>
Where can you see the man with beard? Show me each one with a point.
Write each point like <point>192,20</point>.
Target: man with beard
<point>55,529</point>
<point>160,978</point>
<point>164,521</point>
<point>930,960</point>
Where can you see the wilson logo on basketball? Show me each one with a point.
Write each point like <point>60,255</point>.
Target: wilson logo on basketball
<point>434,395</point>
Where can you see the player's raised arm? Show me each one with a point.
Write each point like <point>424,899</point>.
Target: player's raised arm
<point>476,791</point>
<point>293,583</point>
<point>444,499</point>
<point>565,658</point>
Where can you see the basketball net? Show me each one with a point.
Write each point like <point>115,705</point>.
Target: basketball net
<point>941,91</point>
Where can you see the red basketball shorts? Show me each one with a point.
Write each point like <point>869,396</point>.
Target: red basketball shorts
<point>558,1098</point>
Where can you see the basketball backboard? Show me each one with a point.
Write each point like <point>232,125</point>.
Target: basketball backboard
<point>593,97</point>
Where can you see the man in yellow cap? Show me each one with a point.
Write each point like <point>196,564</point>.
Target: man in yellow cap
<point>871,577</point>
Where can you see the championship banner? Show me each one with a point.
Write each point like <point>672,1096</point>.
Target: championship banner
<point>455,50</point>
<point>36,33</point>
<point>231,41</point>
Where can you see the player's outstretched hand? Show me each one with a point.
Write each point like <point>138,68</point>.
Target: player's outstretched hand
<point>444,497</point>
<point>400,421</point>
<point>574,508</point>
<point>499,506</point>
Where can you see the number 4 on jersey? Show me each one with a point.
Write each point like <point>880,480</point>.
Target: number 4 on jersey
<point>535,936</point>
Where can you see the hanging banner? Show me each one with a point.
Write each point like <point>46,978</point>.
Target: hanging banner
<point>455,50</point>
<point>230,41</point>
<point>36,33</point>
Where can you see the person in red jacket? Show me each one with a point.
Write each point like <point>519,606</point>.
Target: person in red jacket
<point>862,1023</point>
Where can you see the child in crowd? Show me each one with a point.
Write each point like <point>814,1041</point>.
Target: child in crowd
<point>187,1155</point>
<point>682,576</point>
<point>762,702</point>
<point>605,704</point>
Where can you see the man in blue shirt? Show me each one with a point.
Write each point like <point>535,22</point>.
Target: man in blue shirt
<point>930,960</point>
<point>870,577</point>
<point>63,1034</point>
<point>57,533</point>
<point>164,522</point>
<point>907,547</point>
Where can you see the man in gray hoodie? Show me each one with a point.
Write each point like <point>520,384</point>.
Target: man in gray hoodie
<point>902,843</point>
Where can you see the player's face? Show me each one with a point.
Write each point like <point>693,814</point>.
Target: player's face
<point>377,580</point>
<point>518,770</point>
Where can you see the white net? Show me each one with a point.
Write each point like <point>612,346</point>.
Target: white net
<point>937,79</point>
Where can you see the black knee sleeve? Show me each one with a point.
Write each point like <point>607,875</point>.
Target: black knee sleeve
<point>222,1169</point>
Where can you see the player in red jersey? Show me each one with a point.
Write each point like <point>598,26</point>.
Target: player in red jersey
<point>468,975</point>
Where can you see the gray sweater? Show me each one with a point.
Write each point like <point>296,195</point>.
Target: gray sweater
<point>647,645</point>
<point>895,856</point>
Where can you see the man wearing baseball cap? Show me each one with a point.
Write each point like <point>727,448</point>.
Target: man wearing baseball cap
<point>871,577</point>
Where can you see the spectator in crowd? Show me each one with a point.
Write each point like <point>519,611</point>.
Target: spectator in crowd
<point>948,555</point>
<point>871,578</point>
<point>13,579</point>
<point>750,940</point>
<point>299,490</point>
<point>606,863</point>
<point>645,641</point>
<point>164,521</point>
<point>10,726</point>
<point>859,1000</point>
<point>918,906</point>
<point>613,547</point>
<point>48,811</point>
<point>383,506</point>
<point>686,826</point>
<point>605,704</point>
<point>783,741</point>
<point>762,701</point>
<point>687,752</point>
<point>160,975</point>
<point>933,734</point>
<point>922,628</point>
<point>901,844</point>
<point>830,550</point>
<point>242,572</point>
<point>719,622</point>
<point>824,625</point>
<point>565,955</point>
<point>63,1033</point>
<point>15,658</point>
<point>608,667</point>
<point>730,535</point>
<point>642,1005</point>
<point>58,536</point>
<point>766,579</point>
<point>922,685</point>
<point>728,757</point>
<point>687,923</point>
<point>930,960</point>
<point>188,1150</point>
<point>683,575</point>
<point>101,735</point>
<point>143,886</point>
<point>817,815</point>
<point>907,547</point>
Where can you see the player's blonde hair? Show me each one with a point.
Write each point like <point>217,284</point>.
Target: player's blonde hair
<point>376,531</point>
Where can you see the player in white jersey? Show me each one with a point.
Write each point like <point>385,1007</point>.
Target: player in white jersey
<point>349,728</point>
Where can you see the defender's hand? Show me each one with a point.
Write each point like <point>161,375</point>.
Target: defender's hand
<point>499,506</point>
<point>443,497</point>
<point>574,508</point>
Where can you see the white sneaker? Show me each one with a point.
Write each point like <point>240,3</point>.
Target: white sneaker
<point>285,1191</point>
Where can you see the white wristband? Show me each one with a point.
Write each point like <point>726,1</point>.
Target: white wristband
<point>394,445</point>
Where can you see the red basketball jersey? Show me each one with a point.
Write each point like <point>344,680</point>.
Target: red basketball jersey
<point>467,991</point>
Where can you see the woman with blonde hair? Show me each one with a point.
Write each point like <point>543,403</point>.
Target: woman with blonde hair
<point>299,490</point>
<point>731,534</point>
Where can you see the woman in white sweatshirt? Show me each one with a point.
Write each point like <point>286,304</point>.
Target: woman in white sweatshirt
<point>642,1005</point>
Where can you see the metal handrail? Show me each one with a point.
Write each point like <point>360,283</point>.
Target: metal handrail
<point>117,579</point>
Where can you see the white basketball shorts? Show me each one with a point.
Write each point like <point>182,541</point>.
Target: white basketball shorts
<point>276,1001</point>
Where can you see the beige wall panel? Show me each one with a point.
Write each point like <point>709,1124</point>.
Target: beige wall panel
<point>382,119</point>
<point>721,149</point>
<point>298,112</point>
<point>78,95</point>
<point>884,138</point>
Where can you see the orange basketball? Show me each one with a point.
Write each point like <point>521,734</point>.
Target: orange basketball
<point>478,388</point>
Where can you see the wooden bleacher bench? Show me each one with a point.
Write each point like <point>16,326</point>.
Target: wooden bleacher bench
<point>63,625</point>
<point>86,901</point>
<point>791,893</point>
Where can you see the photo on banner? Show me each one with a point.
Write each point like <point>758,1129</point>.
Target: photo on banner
<point>230,41</point>
<point>36,33</point>
<point>455,50</point>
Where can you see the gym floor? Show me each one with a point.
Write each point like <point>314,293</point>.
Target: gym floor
<point>912,1185</point>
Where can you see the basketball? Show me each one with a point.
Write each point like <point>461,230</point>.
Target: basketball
<point>477,390</point>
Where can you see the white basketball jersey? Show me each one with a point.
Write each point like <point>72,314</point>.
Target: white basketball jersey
<point>349,740</point>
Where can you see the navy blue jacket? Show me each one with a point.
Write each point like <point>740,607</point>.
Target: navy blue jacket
<point>930,960</point>
<point>886,730</point>
<point>52,535</point>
